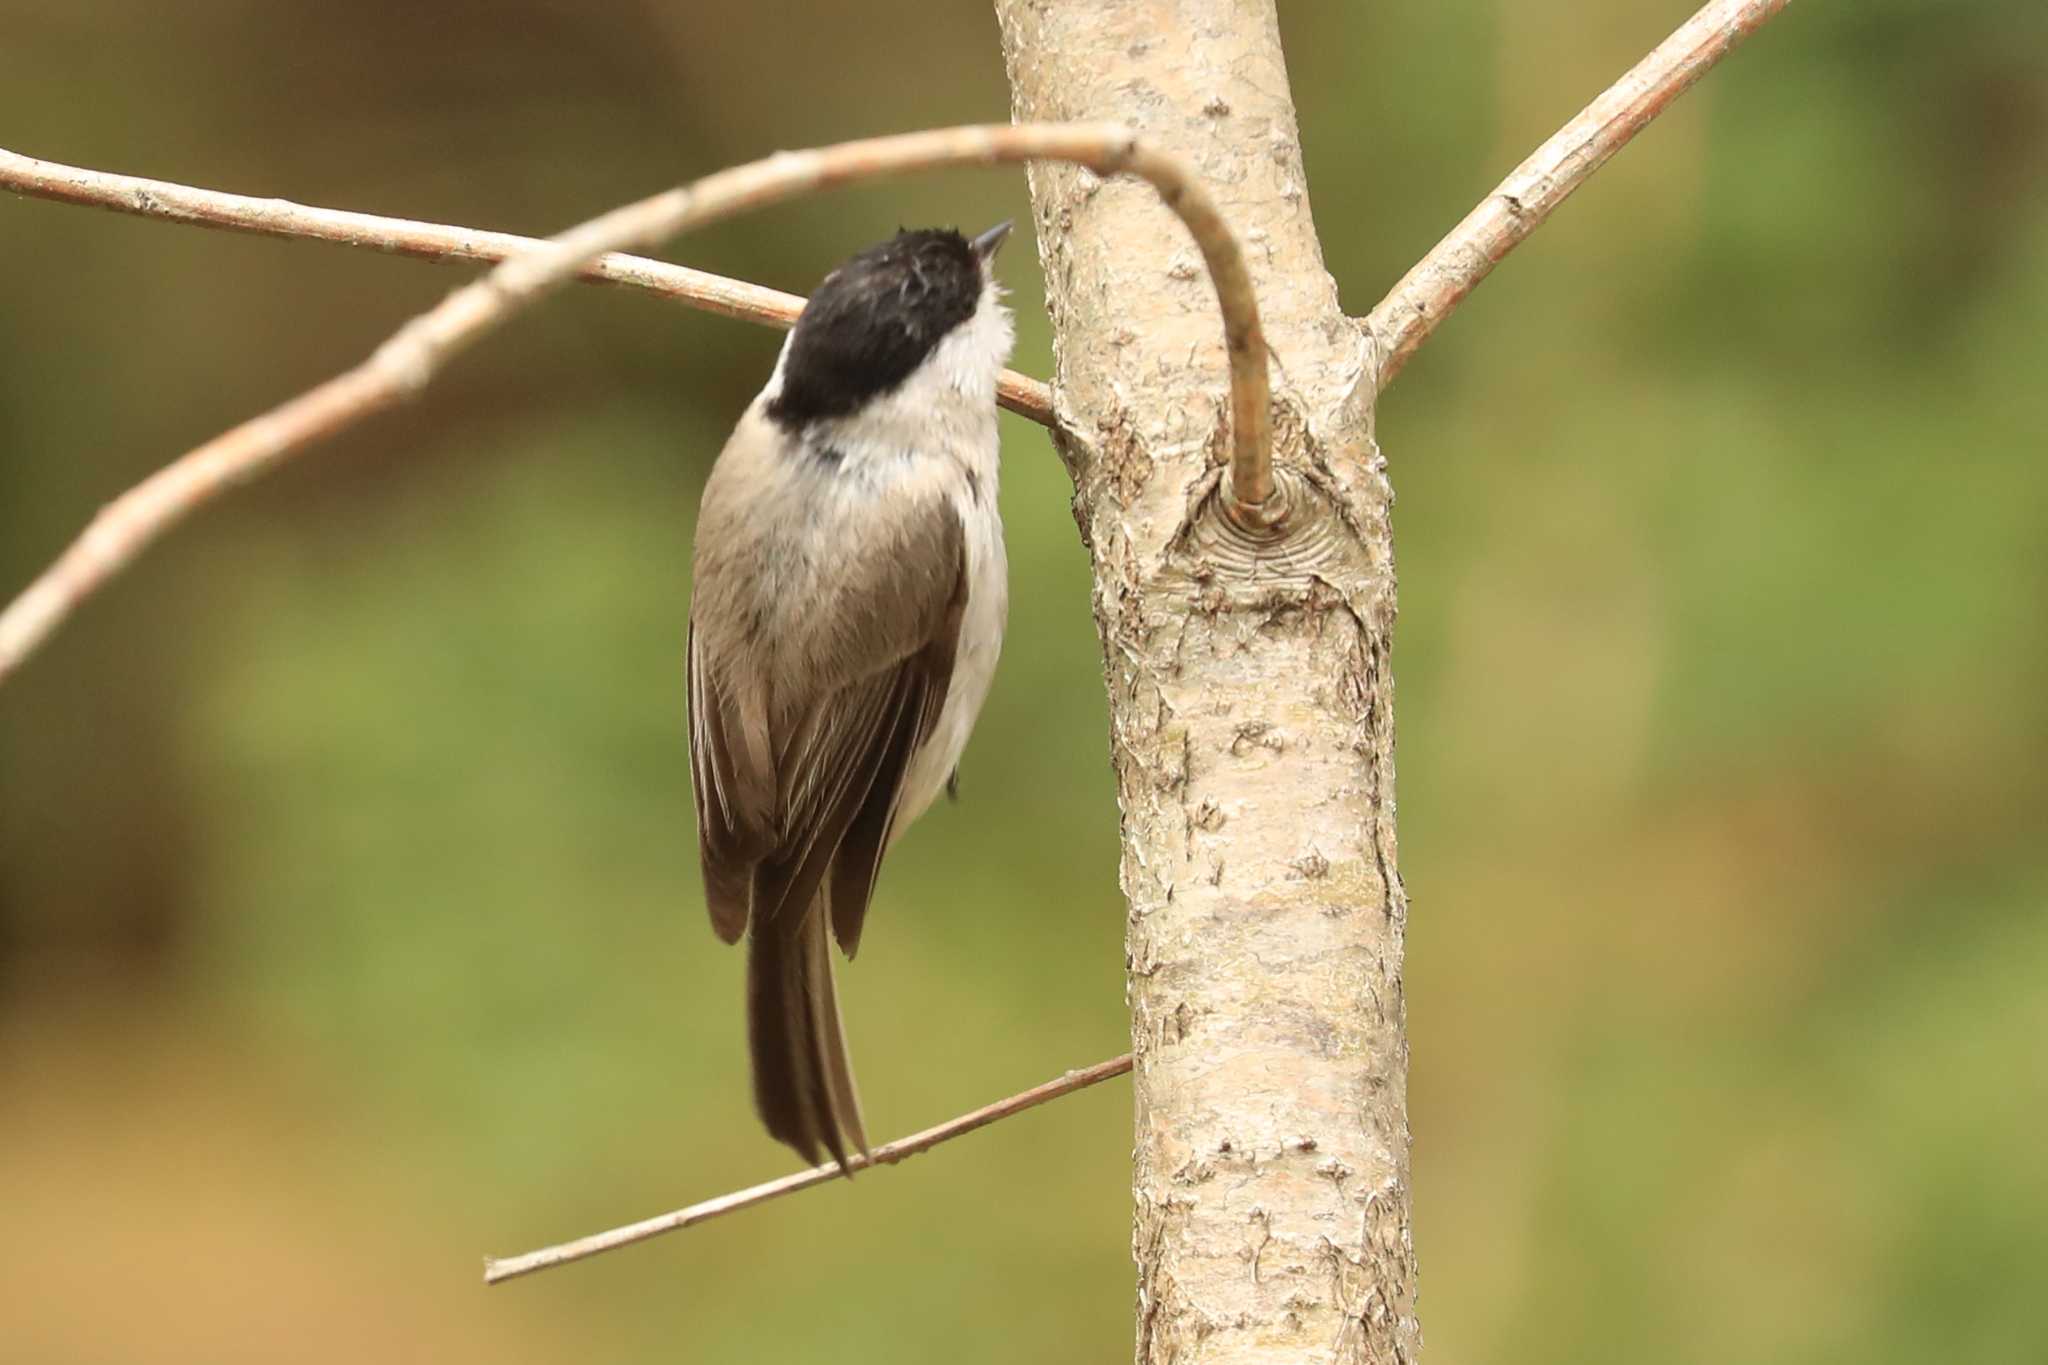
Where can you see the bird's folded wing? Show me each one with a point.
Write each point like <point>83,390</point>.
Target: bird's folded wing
<point>837,766</point>
<point>732,771</point>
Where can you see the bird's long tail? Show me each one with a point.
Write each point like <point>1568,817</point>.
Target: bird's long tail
<point>803,1080</point>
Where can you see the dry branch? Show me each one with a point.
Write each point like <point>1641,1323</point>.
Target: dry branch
<point>439,242</point>
<point>1407,316</point>
<point>402,365</point>
<point>888,1154</point>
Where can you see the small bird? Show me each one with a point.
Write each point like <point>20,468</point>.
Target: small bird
<point>849,592</point>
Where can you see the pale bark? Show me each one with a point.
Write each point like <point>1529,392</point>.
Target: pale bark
<point>1251,701</point>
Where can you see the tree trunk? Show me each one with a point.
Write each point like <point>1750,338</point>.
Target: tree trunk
<point>1250,699</point>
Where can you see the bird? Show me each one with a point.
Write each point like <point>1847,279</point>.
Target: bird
<point>849,591</point>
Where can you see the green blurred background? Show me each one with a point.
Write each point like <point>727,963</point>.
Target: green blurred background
<point>349,924</point>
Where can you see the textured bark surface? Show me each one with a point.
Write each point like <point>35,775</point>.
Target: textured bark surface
<point>1251,702</point>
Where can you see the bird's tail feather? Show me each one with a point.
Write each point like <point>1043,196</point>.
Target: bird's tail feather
<point>803,1079</point>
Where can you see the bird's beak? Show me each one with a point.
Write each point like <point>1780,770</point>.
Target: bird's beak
<point>990,242</point>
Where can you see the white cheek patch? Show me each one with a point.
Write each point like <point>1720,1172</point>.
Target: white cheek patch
<point>972,355</point>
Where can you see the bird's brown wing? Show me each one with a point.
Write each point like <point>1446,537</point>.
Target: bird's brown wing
<point>843,762</point>
<point>732,772</point>
<point>795,770</point>
<point>839,756</point>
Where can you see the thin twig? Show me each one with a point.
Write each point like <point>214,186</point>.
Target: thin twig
<point>402,365</point>
<point>729,298</point>
<point>888,1154</point>
<point>1455,266</point>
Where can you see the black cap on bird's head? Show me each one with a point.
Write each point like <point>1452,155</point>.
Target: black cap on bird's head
<point>875,319</point>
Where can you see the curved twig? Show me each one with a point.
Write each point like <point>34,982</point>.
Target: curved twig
<point>1454,267</point>
<point>888,1154</point>
<point>403,364</point>
<point>439,242</point>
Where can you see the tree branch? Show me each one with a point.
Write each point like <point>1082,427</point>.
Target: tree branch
<point>1407,316</point>
<point>404,364</point>
<point>439,242</point>
<point>888,1154</point>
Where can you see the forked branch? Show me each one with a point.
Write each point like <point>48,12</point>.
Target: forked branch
<point>1454,267</point>
<point>1401,322</point>
<point>404,364</point>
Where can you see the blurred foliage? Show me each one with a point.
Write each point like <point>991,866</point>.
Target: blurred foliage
<point>348,916</point>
